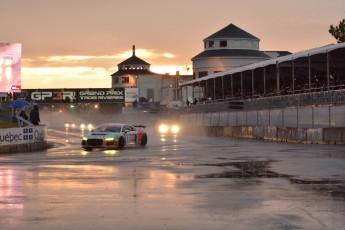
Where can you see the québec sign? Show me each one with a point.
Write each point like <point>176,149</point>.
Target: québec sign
<point>22,135</point>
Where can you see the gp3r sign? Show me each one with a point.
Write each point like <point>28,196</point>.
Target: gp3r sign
<point>116,95</point>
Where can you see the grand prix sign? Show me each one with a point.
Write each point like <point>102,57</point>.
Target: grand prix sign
<point>116,95</point>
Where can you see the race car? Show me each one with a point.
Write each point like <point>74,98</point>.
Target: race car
<point>115,136</point>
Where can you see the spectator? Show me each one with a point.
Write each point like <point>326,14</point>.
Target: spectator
<point>35,116</point>
<point>135,104</point>
<point>24,116</point>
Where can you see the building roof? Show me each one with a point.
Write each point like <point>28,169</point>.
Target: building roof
<point>134,60</point>
<point>274,54</point>
<point>231,53</point>
<point>231,31</point>
<point>132,71</point>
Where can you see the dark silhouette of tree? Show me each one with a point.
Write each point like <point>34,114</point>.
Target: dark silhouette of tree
<point>338,32</point>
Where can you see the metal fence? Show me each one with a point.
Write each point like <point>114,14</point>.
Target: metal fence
<point>297,117</point>
<point>302,99</point>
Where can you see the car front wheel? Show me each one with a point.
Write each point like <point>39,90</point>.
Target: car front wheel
<point>121,143</point>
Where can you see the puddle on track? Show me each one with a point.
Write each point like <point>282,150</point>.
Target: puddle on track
<point>261,169</point>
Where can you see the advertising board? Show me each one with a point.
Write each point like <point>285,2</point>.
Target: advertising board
<point>10,67</point>
<point>23,135</point>
<point>115,95</point>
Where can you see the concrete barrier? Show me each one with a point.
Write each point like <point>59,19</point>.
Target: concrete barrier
<point>302,135</point>
<point>23,139</point>
<point>333,135</point>
<point>228,131</point>
<point>259,132</point>
<point>283,134</point>
<point>30,147</point>
<point>315,136</point>
<point>272,133</point>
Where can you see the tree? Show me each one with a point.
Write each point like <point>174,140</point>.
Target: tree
<point>338,32</point>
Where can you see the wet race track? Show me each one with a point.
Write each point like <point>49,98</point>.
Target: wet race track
<point>182,182</point>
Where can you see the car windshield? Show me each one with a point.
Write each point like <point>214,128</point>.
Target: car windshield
<point>114,129</point>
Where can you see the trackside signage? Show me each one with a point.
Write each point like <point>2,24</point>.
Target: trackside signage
<point>74,95</point>
<point>23,135</point>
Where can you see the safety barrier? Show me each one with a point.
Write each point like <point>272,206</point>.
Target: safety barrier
<point>330,116</point>
<point>272,133</point>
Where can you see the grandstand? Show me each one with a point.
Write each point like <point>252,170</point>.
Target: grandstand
<point>310,77</point>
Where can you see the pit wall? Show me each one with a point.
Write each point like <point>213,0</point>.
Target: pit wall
<point>23,139</point>
<point>272,133</point>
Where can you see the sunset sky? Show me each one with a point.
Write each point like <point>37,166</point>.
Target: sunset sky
<point>78,43</point>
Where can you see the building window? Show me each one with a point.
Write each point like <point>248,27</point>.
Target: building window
<point>125,79</point>
<point>223,43</point>
<point>210,44</point>
<point>202,74</point>
<point>116,80</point>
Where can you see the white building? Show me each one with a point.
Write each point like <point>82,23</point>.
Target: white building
<point>139,82</point>
<point>226,49</point>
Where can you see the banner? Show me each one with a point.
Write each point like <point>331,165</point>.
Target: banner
<point>115,95</point>
<point>23,135</point>
<point>132,94</point>
<point>10,67</point>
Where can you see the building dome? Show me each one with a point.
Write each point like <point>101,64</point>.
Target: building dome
<point>226,49</point>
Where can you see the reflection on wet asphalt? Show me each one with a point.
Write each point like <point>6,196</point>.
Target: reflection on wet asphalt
<point>261,169</point>
<point>174,183</point>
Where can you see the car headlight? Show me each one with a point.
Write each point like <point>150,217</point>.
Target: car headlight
<point>163,128</point>
<point>89,126</point>
<point>175,129</point>
<point>109,138</point>
<point>82,126</point>
<point>84,138</point>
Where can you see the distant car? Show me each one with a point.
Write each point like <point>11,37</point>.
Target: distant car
<point>168,127</point>
<point>70,125</point>
<point>115,136</point>
<point>82,126</point>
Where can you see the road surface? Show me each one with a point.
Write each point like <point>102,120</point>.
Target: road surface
<point>184,182</point>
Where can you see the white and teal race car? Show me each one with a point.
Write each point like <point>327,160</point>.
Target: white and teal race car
<point>114,136</point>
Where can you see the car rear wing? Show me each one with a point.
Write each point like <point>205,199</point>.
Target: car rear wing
<point>140,126</point>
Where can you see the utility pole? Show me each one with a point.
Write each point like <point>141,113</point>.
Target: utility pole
<point>177,77</point>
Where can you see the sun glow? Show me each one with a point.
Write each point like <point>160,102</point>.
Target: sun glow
<point>87,71</point>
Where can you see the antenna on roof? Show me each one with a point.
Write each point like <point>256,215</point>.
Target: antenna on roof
<point>133,50</point>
